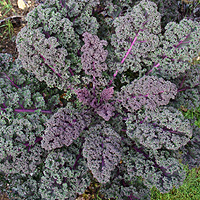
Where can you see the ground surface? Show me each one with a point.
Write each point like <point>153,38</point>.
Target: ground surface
<point>7,44</point>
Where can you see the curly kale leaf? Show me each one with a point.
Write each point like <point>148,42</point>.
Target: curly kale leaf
<point>102,151</point>
<point>163,128</point>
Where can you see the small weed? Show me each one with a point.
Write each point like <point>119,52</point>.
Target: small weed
<point>8,29</point>
<point>6,6</point>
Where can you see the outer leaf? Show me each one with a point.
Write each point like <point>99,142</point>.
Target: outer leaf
<point>164,127</point>
<point>64,127</point>
<point>102,151</point>
<point>148,92</point>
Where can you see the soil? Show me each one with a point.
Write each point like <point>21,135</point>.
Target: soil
<point>7,44</point>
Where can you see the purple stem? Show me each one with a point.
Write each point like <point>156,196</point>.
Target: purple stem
<point>80,150</point>
<point>61,4</point>
<point>140,151</point>
<point>155,66</point>
<point>183,89</point>
<point>21,105</point>
<point>182,82</point>
<point>130,48</point>
<point>127,53</point>
<point>186,88</point>
<point>50,67</point>
<point>38,139</point>
<point>11,100</point>
<point>54,71</point>
<point>11,80</point>
<point>176,46</point>
<point>143,120</point>
<point>70,70</point>
<point>143,95</point>
<point>75,18</point>
<point>114,75</point>
<point>182,41</point>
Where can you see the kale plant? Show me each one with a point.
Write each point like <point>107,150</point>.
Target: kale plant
<point>96,95</point>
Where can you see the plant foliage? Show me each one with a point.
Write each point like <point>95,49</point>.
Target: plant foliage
<point>96,95</point>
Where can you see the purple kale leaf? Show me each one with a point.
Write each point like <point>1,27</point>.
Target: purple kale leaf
<point>65,173</point>
<point>124,188</point>
<point>94,55</point>
<point>162,128</point>
<point>102,151</point>
<point>64,127</point>
<point>190,153</point>
<point>136,35</point>
<point>84,96</point>
<point>102,107</point>
<point>107,93</point>
<point>178,47</point>
<point>106,111</point>
<point>148,91</point>
<point>157,168</point>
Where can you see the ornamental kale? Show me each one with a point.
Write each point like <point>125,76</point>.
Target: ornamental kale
<point>65,173</point>
<point>64,127</point>
<point>102,107</point>
<point>93,55</point>
<point>165,127</point>
<point>97,94</point>
<point>102,151</point>
<point>149,91</point>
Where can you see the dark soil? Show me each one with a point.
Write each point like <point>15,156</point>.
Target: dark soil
<point>7,44</point>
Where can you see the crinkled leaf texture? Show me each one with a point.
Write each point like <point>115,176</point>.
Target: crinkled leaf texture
<point>148,92</point>
<point>64,127</point>
<point>165,127</point>
<point>157,168</point>
<point>94,55</point>
<point>65,173</point>
<point>137,32</point>
<point>190,153</point>
<point>127,159</point>
<point>123,188</point>
<point>102,151</point>
<point>103,108</point>
<point>178,47</point>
